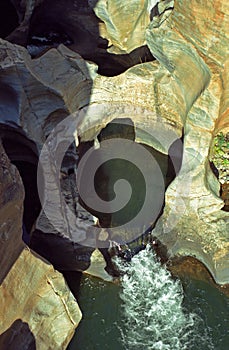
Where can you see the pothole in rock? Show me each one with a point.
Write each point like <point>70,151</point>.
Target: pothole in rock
<point>103,179</point>
<point>113,167</point>
<point>8,18</point>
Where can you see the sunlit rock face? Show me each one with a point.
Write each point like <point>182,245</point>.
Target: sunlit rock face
<point>37,294</point>
<point>193,53</point>
<point>197,226</point>
<point>162,66</point>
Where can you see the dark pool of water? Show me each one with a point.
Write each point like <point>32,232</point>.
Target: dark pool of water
<point>100,305</point>
<point>212,306</point>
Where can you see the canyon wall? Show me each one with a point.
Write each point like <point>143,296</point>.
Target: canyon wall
<point>159,67</point>
<point>37,309</point>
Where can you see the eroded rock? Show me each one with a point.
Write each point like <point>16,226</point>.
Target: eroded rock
<point>37,308</point>
<point>193,222</point>
<point>182,94</point>
<point>41,299</point>
<point>11,207</point>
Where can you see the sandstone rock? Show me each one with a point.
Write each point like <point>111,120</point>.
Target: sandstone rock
<point>124,96</point>
<point>204,25</point>
<point>97,267</point>
<point>41,299</point>
<point>183,93</point>
<point>124,33</point>
<point>222,123</point>
<point>194,52</point>
<point>193,222</point>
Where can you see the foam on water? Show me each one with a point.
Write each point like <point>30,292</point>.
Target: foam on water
<point>153,315</point>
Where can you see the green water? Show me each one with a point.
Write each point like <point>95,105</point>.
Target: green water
<point>150,310</point>
<point>213,308</point>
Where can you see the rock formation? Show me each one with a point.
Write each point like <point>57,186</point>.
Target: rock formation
<point>193,55</point>
<point>202,230</point>
<point>38,310</point>
<point>159,72</point>
<point>11,202</point>
<point>37,294</point>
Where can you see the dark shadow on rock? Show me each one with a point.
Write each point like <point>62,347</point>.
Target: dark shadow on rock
<point>73,279</point>
<point>23,153</point>
<point>18,337</point>
<point>175,156</point>
<point>61,252</point>
<point>8,18</point>
<point>9,103</point>
<point>74,24</point>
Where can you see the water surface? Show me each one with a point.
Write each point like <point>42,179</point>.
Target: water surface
<point>151,310</point>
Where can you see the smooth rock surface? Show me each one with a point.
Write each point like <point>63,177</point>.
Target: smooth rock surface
<point>184,93</point>
<point>193,222</point>
<point>37,294</point>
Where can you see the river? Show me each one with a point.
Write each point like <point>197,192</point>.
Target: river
<point>150,310</point>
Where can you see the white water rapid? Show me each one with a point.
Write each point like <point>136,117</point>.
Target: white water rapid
<point>153,315</point>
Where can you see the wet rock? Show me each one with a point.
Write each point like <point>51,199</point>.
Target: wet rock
<point>98,266</point>
<point>62,252</point>
<point>184,267</point>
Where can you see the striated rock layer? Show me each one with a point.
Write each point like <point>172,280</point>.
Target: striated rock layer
<point>193,222</point>
<point>193,51</point>
<point>181,94</point>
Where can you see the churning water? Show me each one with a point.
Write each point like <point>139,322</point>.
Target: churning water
<point>153,315</point>
<point>148,311</point>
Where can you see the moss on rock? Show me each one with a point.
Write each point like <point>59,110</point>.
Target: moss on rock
<point>220,156</point>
